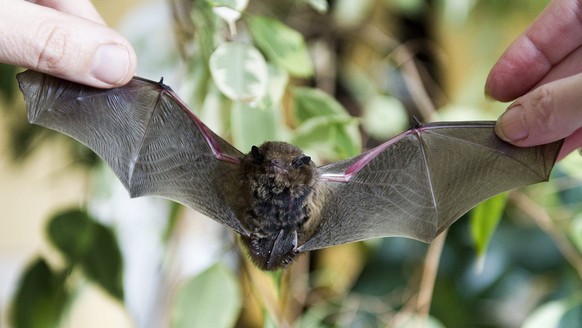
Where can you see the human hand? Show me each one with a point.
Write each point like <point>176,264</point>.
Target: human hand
<point>64,38</point>
<point>542,72</point>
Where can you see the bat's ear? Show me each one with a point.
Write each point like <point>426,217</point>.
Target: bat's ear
<point>300,160</point>
<point>257,154</point>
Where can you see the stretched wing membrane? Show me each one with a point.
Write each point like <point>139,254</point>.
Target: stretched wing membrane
<point>150,139</point>
<point>419,183</point>
<point>415,185</point>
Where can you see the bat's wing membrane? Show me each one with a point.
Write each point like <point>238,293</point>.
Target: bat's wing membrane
<point>420,182</point>
<point>153,143</point>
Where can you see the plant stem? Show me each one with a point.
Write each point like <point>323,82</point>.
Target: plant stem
<point>545,222</point>
<point>429,273</point>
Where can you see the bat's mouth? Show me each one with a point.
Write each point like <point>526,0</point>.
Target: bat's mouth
<point>277,169</point>
<point>283,250</point>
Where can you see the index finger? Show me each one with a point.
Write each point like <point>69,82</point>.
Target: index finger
<point>555,33</point>
<point>64,45</point>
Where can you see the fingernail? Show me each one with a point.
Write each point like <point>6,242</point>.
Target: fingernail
<point>511,126</point>
<point>110,63</point>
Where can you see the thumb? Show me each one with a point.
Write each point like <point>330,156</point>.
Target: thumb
<point>549,113</point>
<point>64,45</point>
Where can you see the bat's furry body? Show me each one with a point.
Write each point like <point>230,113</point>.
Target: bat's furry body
<point>414,185</point>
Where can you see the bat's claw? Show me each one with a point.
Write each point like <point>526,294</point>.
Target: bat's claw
<point>417,123</point>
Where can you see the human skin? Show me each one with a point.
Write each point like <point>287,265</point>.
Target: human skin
<point>64,38</point>
<point>541,73</point>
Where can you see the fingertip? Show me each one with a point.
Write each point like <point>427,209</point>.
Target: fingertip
<point>500,86</point>
<point>499,132</point>
<point>67,46</point>
<point>105,60</point>
<point>495,87</point>
<point>489,90</point>
<point>488,96</point>
<point>511,126</point>
<point>113,64</point>
<point>546,114</point>
<point>518,70</point>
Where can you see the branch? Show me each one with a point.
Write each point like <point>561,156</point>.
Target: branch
<point>429,273</point>
<point>419,305</point>
<point>545,222</point>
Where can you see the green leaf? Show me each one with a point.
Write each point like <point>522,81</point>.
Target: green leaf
<point>384,117</point>
<point>347,139</point>
<point>321,6</point>
<point>71,233</point>
<point>314,316</point>
<point>269,321</point>
<point>282,45</point>
<point>409,7</point>
<point>211,299</point>
<point>104,263</point>
<point>348,14</point>
<point>278,79</point>
<point>421,321</point>
<point>484,220</point>
<point>331,138</point>
<point>571,165</point>
<point>204,21</point>
<point>310,103</point>
<point>7,81</point>
<point>575,231</point>
<point>230,11</point>
<point>91,246</point>
<point>358,83</point>
<point>252,126</point>
<point>198,84</point>
<point>41,298</point>
<point>239,71</point>
<point>548,315</point>
<point>325,127</point>
<point>234,4</point>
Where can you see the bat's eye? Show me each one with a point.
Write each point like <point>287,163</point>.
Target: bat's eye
<point>300,160</point>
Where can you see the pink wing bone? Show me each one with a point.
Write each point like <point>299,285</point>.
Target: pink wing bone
<point>206,132</point>
<point>367,157</point>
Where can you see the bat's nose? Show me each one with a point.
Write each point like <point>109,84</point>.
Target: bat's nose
<point>277,166</point>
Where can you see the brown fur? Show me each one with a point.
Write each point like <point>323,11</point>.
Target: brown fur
<point>280,186</point>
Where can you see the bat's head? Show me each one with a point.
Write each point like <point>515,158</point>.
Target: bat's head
<point>282,165</point>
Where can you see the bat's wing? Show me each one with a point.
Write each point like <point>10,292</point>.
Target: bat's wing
<point>420,182</point>
<point>151,140</point>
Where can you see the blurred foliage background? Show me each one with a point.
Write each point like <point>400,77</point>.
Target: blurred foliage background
<point>335,78</point>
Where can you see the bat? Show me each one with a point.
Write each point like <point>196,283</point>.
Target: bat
<point>281,204</point>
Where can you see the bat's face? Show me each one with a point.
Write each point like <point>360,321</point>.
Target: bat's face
<point>279,181</point>
<point>281,167</point>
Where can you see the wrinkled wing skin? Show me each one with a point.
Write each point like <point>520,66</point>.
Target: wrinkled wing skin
<point>420,182</point>
<point>145,133</point>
